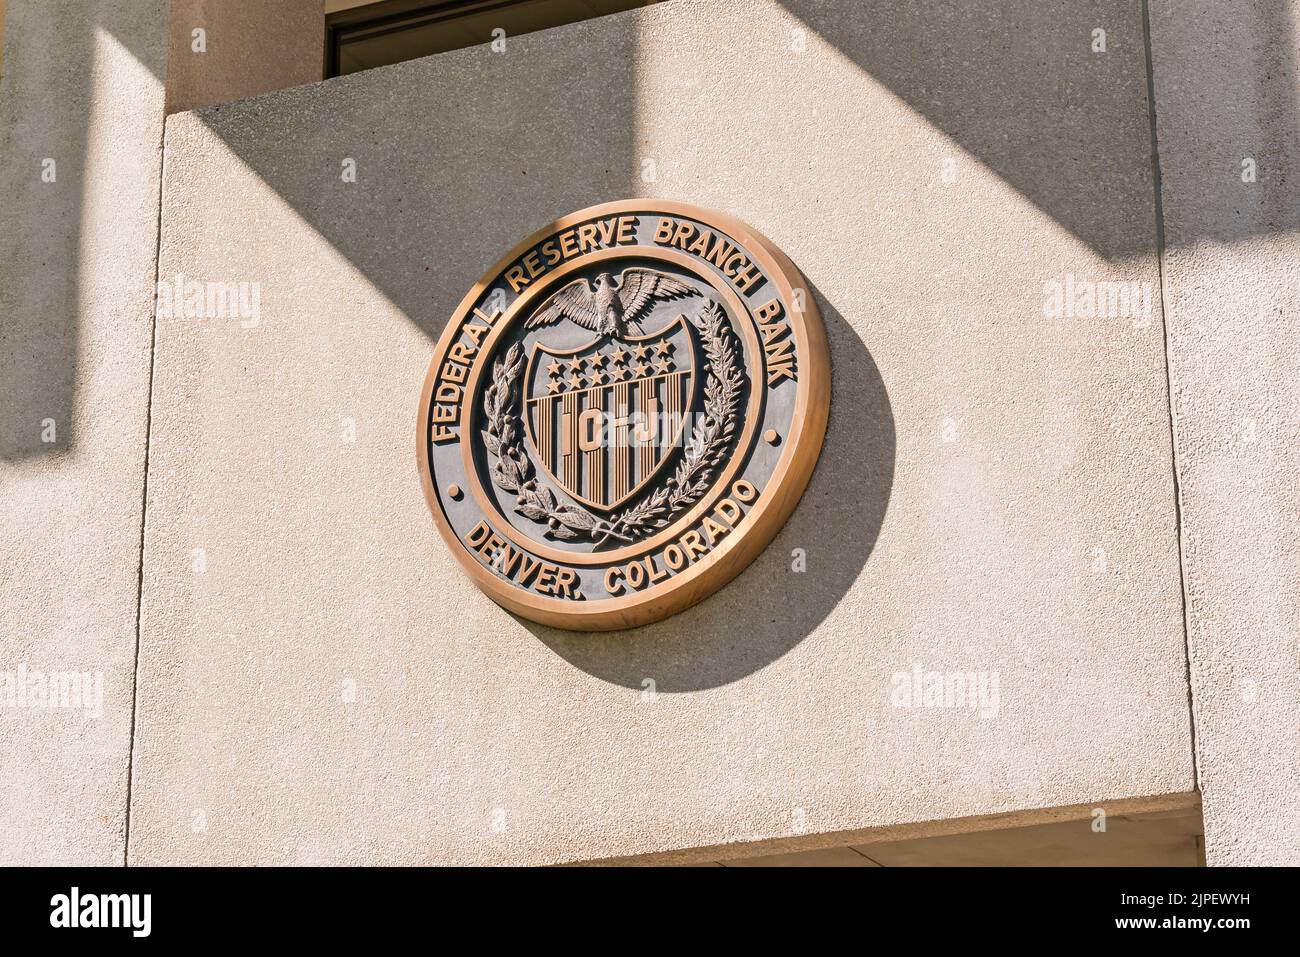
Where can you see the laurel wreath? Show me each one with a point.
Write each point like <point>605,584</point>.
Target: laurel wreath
<point>704,450</point>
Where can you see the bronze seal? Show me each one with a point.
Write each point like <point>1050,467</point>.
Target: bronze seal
<point>622,413</point>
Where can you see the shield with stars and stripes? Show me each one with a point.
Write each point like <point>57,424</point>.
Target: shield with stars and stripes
<point>604,419</point>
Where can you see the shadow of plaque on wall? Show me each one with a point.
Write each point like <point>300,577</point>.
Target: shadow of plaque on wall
<point>771,606</point>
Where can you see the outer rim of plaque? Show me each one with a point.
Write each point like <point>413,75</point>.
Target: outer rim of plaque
<point>771,509</point>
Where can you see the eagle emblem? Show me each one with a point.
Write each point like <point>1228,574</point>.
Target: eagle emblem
<point>608,308</point>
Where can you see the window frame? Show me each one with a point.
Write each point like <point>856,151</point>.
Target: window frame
<point>393,16</point>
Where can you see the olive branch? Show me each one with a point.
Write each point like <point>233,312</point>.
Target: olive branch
<point>709,439</point>
<point>513,471</point>
<point>703,452</point>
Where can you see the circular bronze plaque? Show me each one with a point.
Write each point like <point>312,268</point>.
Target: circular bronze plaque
<point>623,413</point>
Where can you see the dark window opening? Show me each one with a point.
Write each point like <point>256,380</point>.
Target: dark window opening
<point>395,30</point>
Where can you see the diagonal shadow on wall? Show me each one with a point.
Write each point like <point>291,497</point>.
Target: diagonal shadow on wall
<point>1019,88</point>
<point>580,150</point>
<point>1014,85</point>
<point>760,616</point>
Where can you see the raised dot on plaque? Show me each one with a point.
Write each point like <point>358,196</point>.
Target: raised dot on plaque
<point>770,437</point>
<point>454,491</point>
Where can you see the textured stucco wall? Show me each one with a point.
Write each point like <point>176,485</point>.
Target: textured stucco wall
<point>1226,88</point>
<point>319,682</point>
<point>2,36</point>
<point>82,90</point>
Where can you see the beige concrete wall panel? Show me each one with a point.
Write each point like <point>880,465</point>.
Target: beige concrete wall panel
<point>1225,80</point>
<point>81,121</point>
<point>995,493</point>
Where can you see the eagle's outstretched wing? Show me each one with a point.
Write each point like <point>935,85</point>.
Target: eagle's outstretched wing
<point>638,289</point>
<point>574,301</point>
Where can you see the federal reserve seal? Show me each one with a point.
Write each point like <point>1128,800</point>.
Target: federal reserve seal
<point>623,413</point>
